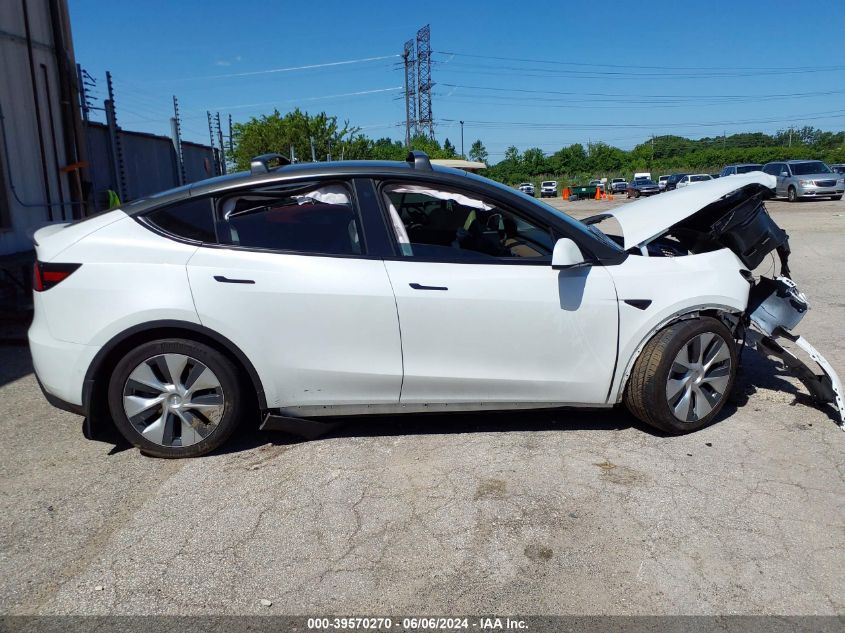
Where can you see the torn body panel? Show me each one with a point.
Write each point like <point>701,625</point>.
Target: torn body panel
<point>825,387</point>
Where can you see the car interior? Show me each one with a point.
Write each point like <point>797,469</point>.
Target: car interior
<point>443,224</point>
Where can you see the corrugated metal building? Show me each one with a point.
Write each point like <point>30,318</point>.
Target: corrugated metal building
<point>41,132</point>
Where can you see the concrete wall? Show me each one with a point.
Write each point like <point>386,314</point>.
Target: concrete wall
<point>24,191</point>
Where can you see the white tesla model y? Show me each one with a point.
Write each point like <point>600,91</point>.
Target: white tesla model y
<point>337,289</point>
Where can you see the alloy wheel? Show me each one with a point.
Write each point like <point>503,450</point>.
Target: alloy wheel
<point>173,400</point>
<point>699,376</point>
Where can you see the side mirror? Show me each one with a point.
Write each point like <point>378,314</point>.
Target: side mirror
<point>785,174</point>
<point>566,254</point>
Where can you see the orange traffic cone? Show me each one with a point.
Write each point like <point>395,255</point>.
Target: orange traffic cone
<point>610,195</point>
<point>566,193</point>
<point>598,193</point>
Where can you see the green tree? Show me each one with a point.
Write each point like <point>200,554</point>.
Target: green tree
<point>277,132</point>
<point>478,152</point>
<point>448,147</point>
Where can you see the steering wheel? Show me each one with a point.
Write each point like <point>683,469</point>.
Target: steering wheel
<point>417,215</point>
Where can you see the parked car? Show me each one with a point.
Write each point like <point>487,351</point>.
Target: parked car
<point>672,181</point>
<point>548,188</point>
<point>740,168</point>
<point>526,187</point>
<point>661,181</point>
<point>642,187</point>
<point>597,183</point>
<point>691,179</point>
<point>798,179</point>
<point>642,174</point>
<point>838,168</point>
<point>356,288</point>
<point>618,185</point>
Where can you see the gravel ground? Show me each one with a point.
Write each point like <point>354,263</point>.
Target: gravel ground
<point>529,513</point>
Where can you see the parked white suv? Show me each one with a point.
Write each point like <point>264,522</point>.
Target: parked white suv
<point>548,188</point>
<point>359,288</point>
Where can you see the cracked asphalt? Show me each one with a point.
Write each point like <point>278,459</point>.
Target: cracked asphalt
<point>525,513</point>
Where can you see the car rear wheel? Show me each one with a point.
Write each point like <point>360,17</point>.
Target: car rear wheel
<point>636,193</point>
<point>682,377</point>
<point>175,398</point>
<point>791,194</point>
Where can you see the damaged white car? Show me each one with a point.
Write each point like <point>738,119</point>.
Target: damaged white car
<point>312,291</point>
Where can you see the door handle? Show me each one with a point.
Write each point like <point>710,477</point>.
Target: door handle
<point>226,280</point>
<point>416,286</point>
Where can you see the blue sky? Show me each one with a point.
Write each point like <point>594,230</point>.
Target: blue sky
<point>519,73</point>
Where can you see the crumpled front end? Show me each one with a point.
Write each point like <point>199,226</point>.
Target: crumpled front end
<point>731,215</point>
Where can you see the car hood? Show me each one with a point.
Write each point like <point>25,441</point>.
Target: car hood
<point>647,218</point>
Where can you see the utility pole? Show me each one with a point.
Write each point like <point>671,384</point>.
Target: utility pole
<point>114,141</point>
<point>790,136</point>
<point>410,92</point>
<point>313,150</point>
<point>176,131</point>
<point>214,157</point>
<point>462,141</point>
<point>231,146</point>
<point>82,77</point>
<point>219,131</point>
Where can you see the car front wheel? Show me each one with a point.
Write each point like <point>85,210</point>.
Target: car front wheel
<point>683,376</point>
<point>792,195</point>
<point>175,398</point>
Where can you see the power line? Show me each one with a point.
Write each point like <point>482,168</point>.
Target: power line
<point>831,114</point>
<point>268,71</point>
<point>764,69</point>
<point>629,96</point>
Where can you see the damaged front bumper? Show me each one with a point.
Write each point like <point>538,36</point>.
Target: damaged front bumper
<point>775,307</point>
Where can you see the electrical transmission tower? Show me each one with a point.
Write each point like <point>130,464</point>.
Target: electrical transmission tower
<point>410,92</point>
<point>425,123</point>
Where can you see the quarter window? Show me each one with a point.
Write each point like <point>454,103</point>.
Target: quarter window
<point>309,220</point>
<point>433,223</point>
<point>192,219</point>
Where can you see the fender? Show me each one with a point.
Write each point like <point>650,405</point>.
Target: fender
<point>168,324</point>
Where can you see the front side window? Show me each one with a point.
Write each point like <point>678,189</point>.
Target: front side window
<point>436,224</point>
<point>319,220</point>
<point>192,219</point>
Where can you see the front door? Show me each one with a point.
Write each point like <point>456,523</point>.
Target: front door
<point>484,317</point>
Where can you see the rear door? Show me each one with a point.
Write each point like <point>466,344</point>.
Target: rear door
<point>484,317</point>
<point>293,284</point>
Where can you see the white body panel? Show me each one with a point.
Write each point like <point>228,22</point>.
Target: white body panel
<point>319,330</point>
<point>667,283</point>
<point>646,218</point>
<point>126,265</point>
<point>505,333</point>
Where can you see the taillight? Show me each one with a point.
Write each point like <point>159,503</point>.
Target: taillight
<point>45,276</point>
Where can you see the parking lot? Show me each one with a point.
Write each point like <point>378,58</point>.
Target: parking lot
<point>525,513</point>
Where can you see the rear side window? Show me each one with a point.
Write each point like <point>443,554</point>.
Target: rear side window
<point>191,219</point>
<point>317,220</point>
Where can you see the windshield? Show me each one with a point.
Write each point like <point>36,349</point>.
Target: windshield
<point>549,183</point>
<point>810,167</point>
<point>644,181</point>
<point>744,169</point>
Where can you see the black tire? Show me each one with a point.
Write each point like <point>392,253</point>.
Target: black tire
<point>645,393</point>
<point>222,368</point>
<point>636,193</point>
<point>791,194</point>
